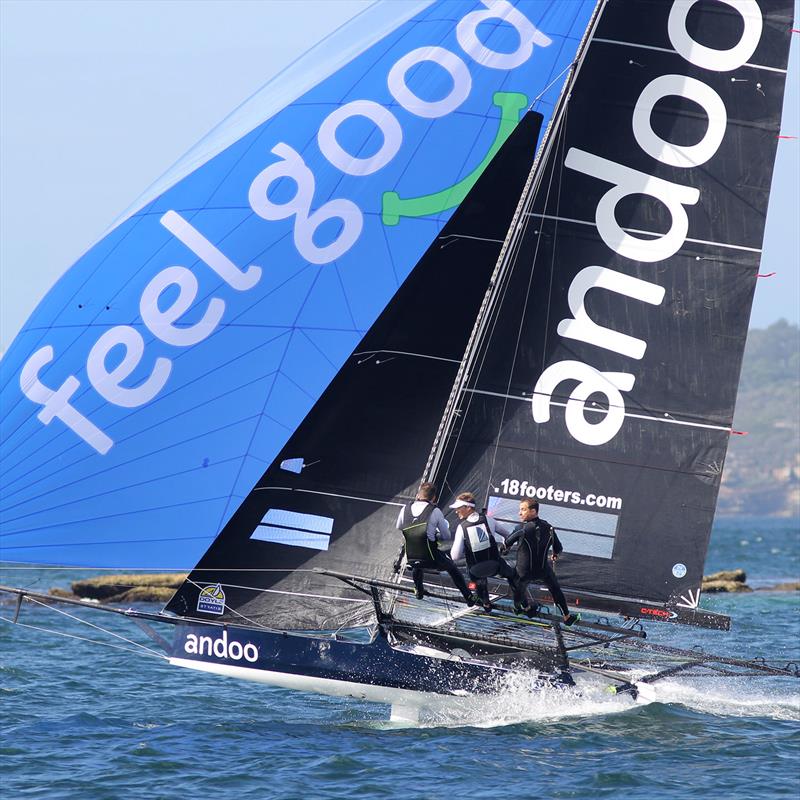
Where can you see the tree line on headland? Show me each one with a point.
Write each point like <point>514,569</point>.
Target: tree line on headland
<point>762,470</point>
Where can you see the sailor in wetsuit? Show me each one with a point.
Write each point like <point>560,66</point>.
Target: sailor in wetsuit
<point>536,536</point>
<point>477,535</point>
<point>420,522</point>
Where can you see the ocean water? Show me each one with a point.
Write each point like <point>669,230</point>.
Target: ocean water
<point>78,720</point>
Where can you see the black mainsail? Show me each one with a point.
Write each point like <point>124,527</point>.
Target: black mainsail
<point>605,377</point>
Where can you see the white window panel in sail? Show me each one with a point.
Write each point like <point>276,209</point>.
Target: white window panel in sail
<point>294,529</point>
<point>584,533</point>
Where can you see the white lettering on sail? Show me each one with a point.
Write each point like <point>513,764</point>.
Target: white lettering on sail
<point>709,57</point>
<point>306,222</point>
<point>56,403</point>
<point>385,121</point>
<point>529,35</point>
<point>108,384</point>
<point>459,73</point>
<point>183,231</point>
<point>584,329</point>
<point>627,181</point>
<point>161,323</point>
<point>667,152</point>
<point>591,381</point>
<point>675,197</point>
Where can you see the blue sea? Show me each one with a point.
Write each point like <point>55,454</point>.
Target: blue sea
<point>81,720</point>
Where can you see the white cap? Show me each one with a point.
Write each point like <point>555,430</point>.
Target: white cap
<point>462,504</point>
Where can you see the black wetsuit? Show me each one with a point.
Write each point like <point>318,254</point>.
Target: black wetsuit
<point>536,538</point>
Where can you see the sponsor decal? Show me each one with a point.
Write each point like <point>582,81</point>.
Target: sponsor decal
<point>220,647</point>
<point>622,182</point>
<point>294,529</point>
<point>478,538</point>
<point>513,486</point>
<point>658,612</point>
<point>690,602</point>
<point>211,600</point>
<point>169,296</point>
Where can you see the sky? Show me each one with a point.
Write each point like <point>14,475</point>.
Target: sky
<point>98,99</point>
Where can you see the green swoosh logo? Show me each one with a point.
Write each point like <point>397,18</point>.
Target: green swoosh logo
<point>395,207</point>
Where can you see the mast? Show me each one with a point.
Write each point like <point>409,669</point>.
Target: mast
<point>508,253</point>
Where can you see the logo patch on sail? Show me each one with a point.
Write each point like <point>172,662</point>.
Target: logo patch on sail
<point>211,600</point>
<point>294,529</point>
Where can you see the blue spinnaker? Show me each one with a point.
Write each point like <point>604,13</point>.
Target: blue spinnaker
<point>168,366</point>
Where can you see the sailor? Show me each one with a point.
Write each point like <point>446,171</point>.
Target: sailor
<point>536,537</point>
<point>478,537</point>
<point>420,523</point>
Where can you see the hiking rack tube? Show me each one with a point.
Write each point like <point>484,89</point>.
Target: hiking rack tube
<point>700,657</point>
<point>354,580</point>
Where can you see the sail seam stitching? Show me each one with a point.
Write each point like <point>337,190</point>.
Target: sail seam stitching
<point>327,494</point>
<point>647,233</point>
<point>404,353</point>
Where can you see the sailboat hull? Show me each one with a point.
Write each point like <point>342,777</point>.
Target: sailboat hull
<point>376,670</point>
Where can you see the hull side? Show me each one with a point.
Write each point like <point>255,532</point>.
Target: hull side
<point>374,670</point>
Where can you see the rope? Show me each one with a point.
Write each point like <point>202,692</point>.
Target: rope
<point>3,568</point>
<point>96,627</point>
<point>86,639</point>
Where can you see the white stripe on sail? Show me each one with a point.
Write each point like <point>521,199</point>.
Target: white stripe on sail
<point>671,420</point>
<point>646,233</point>
<point>675,52</point>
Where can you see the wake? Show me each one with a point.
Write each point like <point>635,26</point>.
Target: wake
<point>719,697</point>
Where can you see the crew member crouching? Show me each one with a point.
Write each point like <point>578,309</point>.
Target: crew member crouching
<point>477,536</point>
<point>420,523</point>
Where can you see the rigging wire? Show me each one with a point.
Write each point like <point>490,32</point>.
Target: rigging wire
<point>497,287</point>
<point>259,590</point>
<point>92,625</point>
<point>544,91</point>
<point>501,291</point>
<point>513,239</point>
<point>141,651</point>
<point>187,570</point>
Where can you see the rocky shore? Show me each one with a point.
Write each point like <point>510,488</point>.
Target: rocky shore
<point>159,588</point>
<point>735,580</point>
<point>153,588</point>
